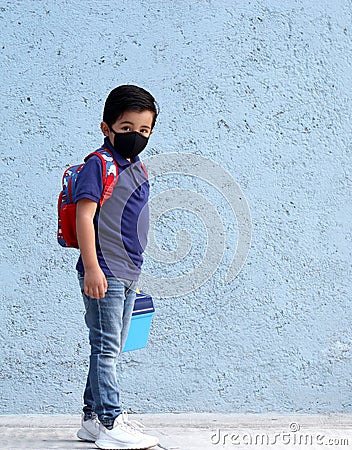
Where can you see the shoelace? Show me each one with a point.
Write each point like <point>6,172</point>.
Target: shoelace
<point>132,424</point>
<point>135,426</point>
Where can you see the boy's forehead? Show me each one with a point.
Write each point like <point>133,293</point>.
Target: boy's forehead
<point>145,117</point>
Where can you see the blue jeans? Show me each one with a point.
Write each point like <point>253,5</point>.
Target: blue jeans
<point>108,320</point>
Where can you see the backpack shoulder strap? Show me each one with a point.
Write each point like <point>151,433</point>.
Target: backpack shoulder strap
<point>144,169</point>
<point>110,172</point>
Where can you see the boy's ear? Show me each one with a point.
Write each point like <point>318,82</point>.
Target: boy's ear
<point>105,128</point>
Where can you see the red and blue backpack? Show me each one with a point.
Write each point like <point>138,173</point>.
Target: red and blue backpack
<point>66,233</point>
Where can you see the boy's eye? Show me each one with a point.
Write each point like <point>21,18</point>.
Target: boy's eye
<point>128,129</point>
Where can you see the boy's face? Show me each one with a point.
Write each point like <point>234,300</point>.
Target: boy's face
<point>140,121</point>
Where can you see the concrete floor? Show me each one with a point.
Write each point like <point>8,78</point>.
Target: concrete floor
<point>191,431</point>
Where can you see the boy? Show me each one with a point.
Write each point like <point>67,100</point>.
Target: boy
<point>111,246</point>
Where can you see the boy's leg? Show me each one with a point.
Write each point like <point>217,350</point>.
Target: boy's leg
<point>88,400</point>
<point>107,319</point>
<point>130,295</point>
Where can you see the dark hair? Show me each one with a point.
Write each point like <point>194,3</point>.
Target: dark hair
<point>128,98</point>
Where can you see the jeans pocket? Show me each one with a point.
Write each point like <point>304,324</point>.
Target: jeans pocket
<point>115,285</point>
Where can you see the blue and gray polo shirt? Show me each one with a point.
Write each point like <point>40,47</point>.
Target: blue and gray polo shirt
<point>122,223</point>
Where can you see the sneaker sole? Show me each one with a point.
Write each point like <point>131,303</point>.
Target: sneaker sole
<point>110,445</point>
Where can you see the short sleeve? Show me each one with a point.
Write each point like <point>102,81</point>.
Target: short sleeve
<point>89,182</point>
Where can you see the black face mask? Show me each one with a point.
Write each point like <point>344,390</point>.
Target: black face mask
<point>129,144</point>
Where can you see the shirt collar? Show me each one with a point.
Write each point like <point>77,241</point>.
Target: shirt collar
<point>121,161</point>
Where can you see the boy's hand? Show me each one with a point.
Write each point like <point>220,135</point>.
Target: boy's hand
<point>95,284</point>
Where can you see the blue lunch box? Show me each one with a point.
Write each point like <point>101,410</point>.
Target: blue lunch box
<point>140,322</point>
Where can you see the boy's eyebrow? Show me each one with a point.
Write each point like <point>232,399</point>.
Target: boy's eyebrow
<point>130,123</point>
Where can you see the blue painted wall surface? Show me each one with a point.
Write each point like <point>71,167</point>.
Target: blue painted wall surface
<point>262,88</point>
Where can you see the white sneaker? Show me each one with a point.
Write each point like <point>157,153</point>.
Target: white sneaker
<point>89,430</point>
<point>124,435</point>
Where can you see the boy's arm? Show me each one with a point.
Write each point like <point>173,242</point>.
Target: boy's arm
<point>95,284</point>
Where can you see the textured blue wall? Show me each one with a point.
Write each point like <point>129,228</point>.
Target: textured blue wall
<point>261,88</point>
